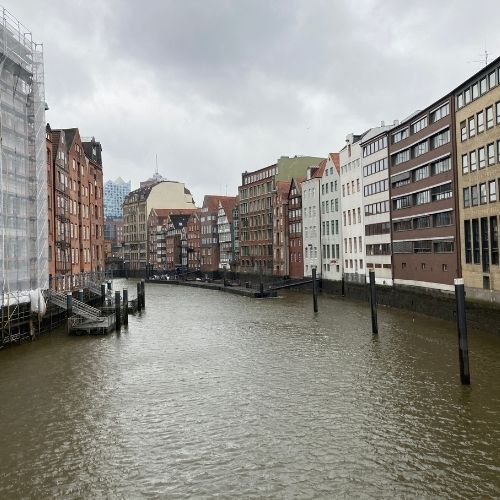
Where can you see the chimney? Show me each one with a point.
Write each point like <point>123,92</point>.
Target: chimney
<point>382,123</point>
<point>396,122</point>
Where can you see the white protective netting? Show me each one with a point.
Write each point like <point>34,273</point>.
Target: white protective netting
<point>23,170</point>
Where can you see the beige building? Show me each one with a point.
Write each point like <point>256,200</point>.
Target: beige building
<point>136,209</point>
<point>477,119</point>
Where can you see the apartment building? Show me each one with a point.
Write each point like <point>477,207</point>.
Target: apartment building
<point>295,248</point>
<point>311,218</point>
<point>477,126</point>
<point>331,219</point>
<point>256,210</point>
<point>377,223</point>
<point>351,175</point>
<point>280,229</point>
<point>210,249</point>
<point>77,197</point>
<point>157,225</point>
<point>93,153</point>
<point>176,243</point>
<point>422,198</point>
<point>136,208</point>
<point>194,241</point>
<point>225,231</point>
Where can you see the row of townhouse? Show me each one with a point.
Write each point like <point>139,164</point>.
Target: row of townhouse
<point>165,232</point>
<point>415,201</point>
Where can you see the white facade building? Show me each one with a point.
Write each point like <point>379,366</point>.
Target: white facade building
<point>311,219</point>
<point>376,208</point>
<point>351,177</point>
<point>331,220</point>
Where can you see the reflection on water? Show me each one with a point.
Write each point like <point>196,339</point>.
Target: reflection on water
<point>208,394</point>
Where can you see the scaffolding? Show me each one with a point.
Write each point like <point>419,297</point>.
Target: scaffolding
<point>23,173</point>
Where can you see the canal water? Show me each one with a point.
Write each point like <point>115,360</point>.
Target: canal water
<point>214,395</point>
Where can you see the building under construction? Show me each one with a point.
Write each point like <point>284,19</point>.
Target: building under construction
<point>23,175</point>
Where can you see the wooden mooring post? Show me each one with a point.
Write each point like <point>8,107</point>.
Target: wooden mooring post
<point>139,304</point>
<point>118,314</point>
<point>103,294</point>
<point>125,306</point>
<point>373,302</point>
<point>80,295</point>
<point>143,293</point>
<point>463,343</point>
<point>315,290</point>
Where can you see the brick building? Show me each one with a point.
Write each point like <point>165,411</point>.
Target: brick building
<point>256,210</point>
<point>422,198</point>
<point>76,195</point>
<point>280,229</point>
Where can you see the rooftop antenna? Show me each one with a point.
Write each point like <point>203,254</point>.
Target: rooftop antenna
<point>156,157</point>
<point>484,58</point>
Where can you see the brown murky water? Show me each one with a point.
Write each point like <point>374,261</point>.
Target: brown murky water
<point>211,395</point>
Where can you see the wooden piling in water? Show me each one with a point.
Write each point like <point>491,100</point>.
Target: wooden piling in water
<point>373,302</point>
<point>139,303</point>
<point>125,306</point>
<point>315,291</point>
<point>463,343</point>
<point>118,317</point>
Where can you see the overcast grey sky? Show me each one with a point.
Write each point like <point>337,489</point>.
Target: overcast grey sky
<point>217,87</point>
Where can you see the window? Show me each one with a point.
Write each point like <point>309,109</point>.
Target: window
<point>441,166</point>
<point>490,151</point>
<point>439,113</point>
<point>483,87</point>
<point>483,197</point>
<point>422,246</point>
<point>467,244</point>
<point>421,173</point>
<point>467,96</point>
<point>474,196</point>
<point>475,241</point>
<point>399,136</point>
<point>422,197</point>
<point>440,139</point>
<point>472,127</point>
<point>494,239</point>
<point>403,225</point>
<point>401,157</point>
<point>443,219</point>
<point>463,131</point>
<point>418,125</point>
<point>465,164</point>
<point>444,246</point>
<point>466,192</point>
<point>475,91</point>
<point>489,117</point>
<point>497,105</point>
<point>403,202</point>
<point>473,161</point>
<point>492,185</point>
<point>492,79</point>
<point>422,222</point>
<point>482,159</point>
<point>420,149</point>
<point>480,122</point>
<point>460,101</point>
<point>441,192</point>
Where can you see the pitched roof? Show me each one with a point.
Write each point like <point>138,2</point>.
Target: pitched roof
<point>283,187</point>
<point>336,161</point>
<point>211,201</point>
<point>228,204</point>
